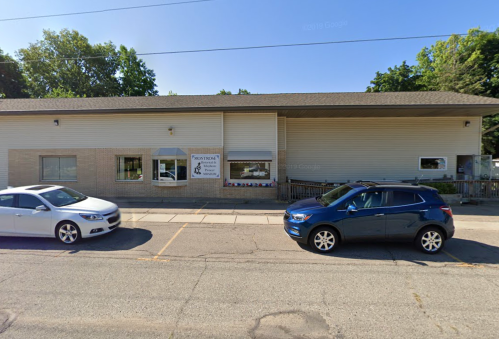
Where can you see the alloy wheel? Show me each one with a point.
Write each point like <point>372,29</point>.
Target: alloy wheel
<point>324,240</point>
<point>431,241</point>
<point>68,233</point>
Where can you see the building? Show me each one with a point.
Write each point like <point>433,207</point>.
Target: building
<point>195,146</point>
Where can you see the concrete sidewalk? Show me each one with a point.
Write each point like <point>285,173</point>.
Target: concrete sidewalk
<point>203,218</point>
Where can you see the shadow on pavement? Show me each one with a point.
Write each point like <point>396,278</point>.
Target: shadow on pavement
<point>120,240</point>
<point>467,251</point>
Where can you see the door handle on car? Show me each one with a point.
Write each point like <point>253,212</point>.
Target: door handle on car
<point>379,215</point>
<point>423,211</point>
<point>18,215</point>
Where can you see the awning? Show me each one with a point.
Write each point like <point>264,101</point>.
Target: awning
<point>265,156</point>
<point>169,152</point>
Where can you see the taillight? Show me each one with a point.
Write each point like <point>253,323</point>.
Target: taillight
<point>447,210</point>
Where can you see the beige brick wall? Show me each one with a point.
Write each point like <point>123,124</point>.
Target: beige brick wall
<point>96,174</point>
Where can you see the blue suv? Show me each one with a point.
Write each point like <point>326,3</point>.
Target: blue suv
<point>372,211</point>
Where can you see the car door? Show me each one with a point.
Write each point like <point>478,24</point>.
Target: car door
<point>369,220</point>
<point>7,214</point>
<point>29,221</point>
<point>404,214</point>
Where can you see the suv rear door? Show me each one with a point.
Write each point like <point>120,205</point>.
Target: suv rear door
<point>368,222</point>
<point>404,214</point>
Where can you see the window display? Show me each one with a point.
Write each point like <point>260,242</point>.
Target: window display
<point>250,170</point>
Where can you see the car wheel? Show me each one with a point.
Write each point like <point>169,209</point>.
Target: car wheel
<point>324,239</point>
<point>430,240</point>
<point>68,233</point>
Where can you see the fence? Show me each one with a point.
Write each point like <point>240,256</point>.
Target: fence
<point>469,189</point>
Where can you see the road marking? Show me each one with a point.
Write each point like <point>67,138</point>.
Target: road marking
<point>152,259</point>
<point>169,242</point>
<point>199,210</point>
<point>463,263</point>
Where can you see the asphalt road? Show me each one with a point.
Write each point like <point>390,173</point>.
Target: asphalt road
<point>178,280</point>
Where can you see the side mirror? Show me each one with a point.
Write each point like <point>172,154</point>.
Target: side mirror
<point>351,209</point>
<point>41,208</point>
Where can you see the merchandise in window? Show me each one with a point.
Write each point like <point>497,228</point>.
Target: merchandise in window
<point>129,168</point>
<point>250,170</point>
<point>430,163</point>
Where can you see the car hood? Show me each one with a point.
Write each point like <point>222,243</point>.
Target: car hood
<point>92,205</point>
<point>305,205</point>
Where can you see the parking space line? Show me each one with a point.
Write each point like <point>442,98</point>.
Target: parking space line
<point>199,210</point>
<point>463,263</point>
<point>171,240</point>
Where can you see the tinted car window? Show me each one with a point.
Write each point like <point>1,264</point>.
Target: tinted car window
<point>6,200</point>
<point>63,197</point>
<point>29,201</point>
<point>401,198</point>
<point>368,200</point>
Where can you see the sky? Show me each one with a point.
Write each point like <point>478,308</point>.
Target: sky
<point>238,23</point>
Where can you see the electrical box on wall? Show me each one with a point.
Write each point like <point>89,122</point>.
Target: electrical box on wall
<point>170,130</point>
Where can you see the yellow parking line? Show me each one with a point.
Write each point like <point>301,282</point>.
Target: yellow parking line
<point>463,263</point>
<point>199,210</point>
<point>169,242</point>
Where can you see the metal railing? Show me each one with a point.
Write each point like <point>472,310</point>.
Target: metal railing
<point>469,189</point>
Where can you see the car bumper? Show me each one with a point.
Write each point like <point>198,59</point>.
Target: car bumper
<point>91,229</point>
<point>294,231</point>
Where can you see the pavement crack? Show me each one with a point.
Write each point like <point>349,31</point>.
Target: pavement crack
<point>391,255</point>
<point>420,304</point>
<point>179,316</point>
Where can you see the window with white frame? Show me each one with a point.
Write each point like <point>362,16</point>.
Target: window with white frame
<point>129,168</point>
<point>169,169</point>
<point>55,168</point>
<point>432,163</point>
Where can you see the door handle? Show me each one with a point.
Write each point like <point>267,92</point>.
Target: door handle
<point>423,211</point>
<point>379,215</point>
<point>18,215</point>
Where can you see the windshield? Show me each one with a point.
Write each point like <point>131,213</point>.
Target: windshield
<point>333,195</point>
<point>63,197</point>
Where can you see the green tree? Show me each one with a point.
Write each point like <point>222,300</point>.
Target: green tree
<point>401,78</point>
<point>241,92</point>
<point>12,83</point>
<point>464,64</point>
<point>66,62</point>
<point>135,78</point>
<point>224,92</point>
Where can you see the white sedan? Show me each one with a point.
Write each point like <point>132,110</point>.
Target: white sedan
<point>55,211</point>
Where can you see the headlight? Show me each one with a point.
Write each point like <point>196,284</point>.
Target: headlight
<point>301,217</point>
<point>91,217</point>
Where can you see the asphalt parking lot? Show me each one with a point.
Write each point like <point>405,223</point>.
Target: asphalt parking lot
<point>196,270</point>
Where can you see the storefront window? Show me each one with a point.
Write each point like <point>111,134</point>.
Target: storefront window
<point>129,168</point>
<point>250,170</point>
<point>59,168</point>
<point>433,163</point>
<point>170,170</point>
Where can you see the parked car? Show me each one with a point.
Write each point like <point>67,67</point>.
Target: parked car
<point>55,211</point>
<point>372,211</point>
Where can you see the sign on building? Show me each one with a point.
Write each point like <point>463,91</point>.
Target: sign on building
<point>205,166</point>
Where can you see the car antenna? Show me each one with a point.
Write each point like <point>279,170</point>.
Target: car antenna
<point>421,177</point>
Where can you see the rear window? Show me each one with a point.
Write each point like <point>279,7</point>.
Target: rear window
<point>401,198</point>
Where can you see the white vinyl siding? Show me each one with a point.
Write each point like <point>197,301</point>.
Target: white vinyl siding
<point>107,131</point>
<point>250,132</point>
<point>281,133</point>
<point>342,149</point>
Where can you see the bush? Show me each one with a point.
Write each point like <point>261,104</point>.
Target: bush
<point>442,187</point>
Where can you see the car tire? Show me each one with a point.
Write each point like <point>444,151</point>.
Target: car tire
<point>68,233</point>
<point>324,239</point>
<point>430,240</point>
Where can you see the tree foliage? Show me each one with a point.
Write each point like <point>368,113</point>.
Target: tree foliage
<point>241,92</point>
<point>464,64</point>
<point>66,62</point>
<point>12,83</point>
